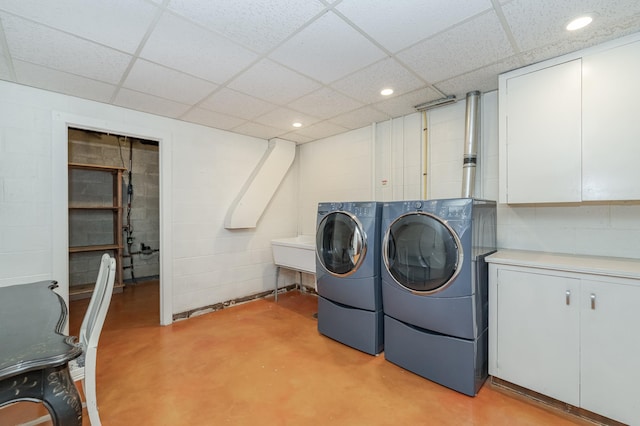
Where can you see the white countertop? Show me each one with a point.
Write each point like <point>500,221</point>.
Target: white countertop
<point>596,265</point>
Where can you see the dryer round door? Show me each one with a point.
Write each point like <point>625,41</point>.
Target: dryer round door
<point>422,253</point>
<point>340,243</point>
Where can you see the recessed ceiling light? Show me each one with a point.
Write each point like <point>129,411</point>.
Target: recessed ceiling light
<point>386,92</point>
<point>297,124</point>
<point>578,23</point>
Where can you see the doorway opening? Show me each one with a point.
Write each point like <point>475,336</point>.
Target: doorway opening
<point>114,207</point>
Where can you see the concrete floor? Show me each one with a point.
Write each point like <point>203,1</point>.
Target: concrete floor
<point>264,363</point>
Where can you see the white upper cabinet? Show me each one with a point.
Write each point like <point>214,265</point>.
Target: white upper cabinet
<point>568,127</point>
<point>543,135</point>
<point>610,120</point>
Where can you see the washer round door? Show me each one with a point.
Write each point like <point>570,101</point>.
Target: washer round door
<point>422,253</point>
<point>340,243</point>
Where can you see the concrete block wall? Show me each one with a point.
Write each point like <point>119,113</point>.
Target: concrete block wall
<point>337,168</point>
<point>213,264</point>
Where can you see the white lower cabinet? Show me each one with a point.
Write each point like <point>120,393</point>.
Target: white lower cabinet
<point>610,350</point>
<point>538,338</point>
<point>572,336</point>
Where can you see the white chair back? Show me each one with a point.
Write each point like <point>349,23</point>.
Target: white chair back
<point>84,367</point>
<point>99,304</point>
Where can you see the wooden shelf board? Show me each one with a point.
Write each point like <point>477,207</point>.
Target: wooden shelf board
<point>82,249</point>
<point>95,167</point>
<point>95,208</point>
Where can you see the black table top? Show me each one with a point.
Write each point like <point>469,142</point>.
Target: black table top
<point>32,318</point>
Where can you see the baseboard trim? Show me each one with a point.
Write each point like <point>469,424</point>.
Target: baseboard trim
<point>548,403</point>
<point>222,305</point>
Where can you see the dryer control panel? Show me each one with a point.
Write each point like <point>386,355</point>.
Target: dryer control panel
<point>361,209</point>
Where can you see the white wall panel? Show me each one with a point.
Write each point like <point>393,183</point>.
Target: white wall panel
<point>446,147</point>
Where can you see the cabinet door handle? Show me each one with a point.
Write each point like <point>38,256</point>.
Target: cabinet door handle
<point>567,299</point>
<point>593,301</point>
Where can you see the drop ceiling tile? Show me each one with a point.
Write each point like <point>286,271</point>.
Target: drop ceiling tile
<point>283,118</point>
<point>322,130</point>
<point>296,137</point>
<point>598,32</point>
<point>61,82</point>
<point>257,24</point>
<point>185,47</point>
<point>54,49</point>
<point>542,22</point>
<point>365,85</point>
<point>325,103</point>
<point>147,103</point>
<point>212,119</point>
<point>360,118</point>
<point>237,104</point>
<point>327,50</point>
<point>405,104</point>
<point>166,83</point>
<point>273,83</point>
<point>258,130</point>
<point>398,24</point>
<point>549,51</point>
<point>120,24</point>
<point>484,79</point>
<point>472,45</point>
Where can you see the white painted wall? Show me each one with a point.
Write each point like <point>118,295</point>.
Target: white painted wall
<point>446,129</point>
<point>598,229</point>
<point>201,171</point>
<point>379,162</point>
<point>338,168</point>
<point>602,229</point>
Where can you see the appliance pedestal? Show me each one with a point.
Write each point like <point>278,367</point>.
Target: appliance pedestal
<point>354,327</point>
<point>459,364</point>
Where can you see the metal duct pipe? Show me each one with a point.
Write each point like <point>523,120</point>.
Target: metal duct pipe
<point>471,136</point>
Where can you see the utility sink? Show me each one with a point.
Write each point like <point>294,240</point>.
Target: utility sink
<point>298,253</point>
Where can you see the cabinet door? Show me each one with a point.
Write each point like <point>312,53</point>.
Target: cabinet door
<point>543,127</point>
<point>538,333</point>
<point>611,84</point>
<point>610,356</point>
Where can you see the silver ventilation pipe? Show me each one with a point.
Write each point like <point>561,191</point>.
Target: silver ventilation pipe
<point>471,136</point>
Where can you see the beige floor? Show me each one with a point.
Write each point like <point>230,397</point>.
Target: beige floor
<point>262,363</point>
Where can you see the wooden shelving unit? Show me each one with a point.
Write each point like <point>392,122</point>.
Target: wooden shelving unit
<point>115,208</point>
